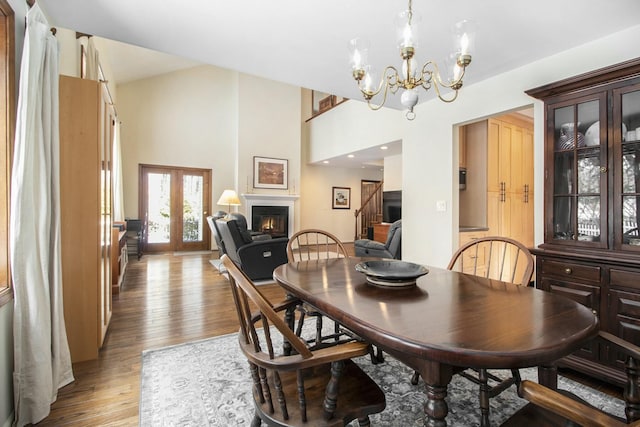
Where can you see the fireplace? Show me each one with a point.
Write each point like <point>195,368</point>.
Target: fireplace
<point>273,220</point>
<point>285,201</point>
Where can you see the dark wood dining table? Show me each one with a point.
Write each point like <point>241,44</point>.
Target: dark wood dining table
<point>447,320</point>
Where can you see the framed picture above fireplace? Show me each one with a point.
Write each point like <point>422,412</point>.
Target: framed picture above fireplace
<point>341,198</point>
<point>270,173</point>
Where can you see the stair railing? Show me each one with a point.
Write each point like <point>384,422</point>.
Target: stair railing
<point>366,217</point>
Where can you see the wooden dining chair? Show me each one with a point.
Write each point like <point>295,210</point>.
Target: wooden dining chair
<point>319,387</point>
<point>311,244</point>
<point>497,258</point>
<point>314,244</point>
<point>560,408</point>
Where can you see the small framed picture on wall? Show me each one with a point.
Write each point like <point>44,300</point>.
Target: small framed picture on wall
<point>341,198</point>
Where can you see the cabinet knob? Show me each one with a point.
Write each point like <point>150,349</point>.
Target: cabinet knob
<point>603,169</point>
<point>595,312</point>
<point>568,270</point>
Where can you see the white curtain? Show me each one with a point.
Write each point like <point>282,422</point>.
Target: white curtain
<point>118,187</point>
<point>42,363</point>
<point>93,62</point>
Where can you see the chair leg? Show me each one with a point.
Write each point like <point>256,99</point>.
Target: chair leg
<point>415,377</point>
<point>364,422</point>
<point>256,421</point>
<point>484,398</point>
<point>376,355</point>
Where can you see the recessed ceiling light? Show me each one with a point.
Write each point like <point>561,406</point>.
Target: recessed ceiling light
<point>384,147</point>
<point>326,161</point>
<point>351,156</point>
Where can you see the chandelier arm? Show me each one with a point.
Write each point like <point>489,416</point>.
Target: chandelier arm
<point>375,107</point>
<point>436,86</point>
<point>370,94</point>
<point>438,78</point>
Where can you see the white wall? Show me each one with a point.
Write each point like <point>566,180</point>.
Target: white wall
<point>316,197</point>
<point>317,182</point>
<point>393,173</point>
<point>430,162</point>
<point>186,118</point>
<point>210,118</point>
<point>268,126</point>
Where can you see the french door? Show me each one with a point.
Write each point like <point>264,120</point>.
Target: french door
<point>175,201</point>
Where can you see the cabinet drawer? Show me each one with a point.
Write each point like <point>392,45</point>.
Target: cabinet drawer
<point>570,271</point>
<point>624,279</point>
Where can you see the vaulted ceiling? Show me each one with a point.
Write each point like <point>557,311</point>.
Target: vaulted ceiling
<point>304,42</point>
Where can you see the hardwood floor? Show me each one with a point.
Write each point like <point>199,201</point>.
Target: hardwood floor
<point>164,300</point>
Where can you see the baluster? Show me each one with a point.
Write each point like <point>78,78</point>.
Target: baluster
<point>280,395</point>
<point>331,396</point>
<point>302,401</point>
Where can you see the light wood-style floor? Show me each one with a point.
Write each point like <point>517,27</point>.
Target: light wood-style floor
<point>165,300</point>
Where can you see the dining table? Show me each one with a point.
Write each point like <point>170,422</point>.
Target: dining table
<point>444,321</point>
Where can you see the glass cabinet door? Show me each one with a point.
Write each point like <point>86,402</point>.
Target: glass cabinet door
<point>627,114</point>
<point>578,184</point>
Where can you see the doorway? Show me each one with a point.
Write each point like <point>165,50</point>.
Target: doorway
<point>496,157</point>
<point>175,202</point>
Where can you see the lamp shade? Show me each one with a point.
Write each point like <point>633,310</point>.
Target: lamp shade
<point>229,198</point>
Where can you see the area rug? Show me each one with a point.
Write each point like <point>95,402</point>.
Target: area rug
<point>207,383</point>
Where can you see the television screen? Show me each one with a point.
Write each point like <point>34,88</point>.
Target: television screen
<point>391,205</point>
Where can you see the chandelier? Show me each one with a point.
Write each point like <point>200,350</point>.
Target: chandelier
<point>411,78</point>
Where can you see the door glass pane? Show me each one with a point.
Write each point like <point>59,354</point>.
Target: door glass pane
<point>563,180</point>
<point>159,203</point>
<point>564,122</point>
<point>192,224</point>
<point>589,123</point>
<point>631,168</point>
<point>630,132</point>
<point>589,218</point>
<point>589,171</point>
<point>562,218</point>
<point>631,116</point>
<point>630,233</point>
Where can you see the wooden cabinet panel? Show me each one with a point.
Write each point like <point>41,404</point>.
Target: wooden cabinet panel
<point>85,196</point>
<point>586,295</point>
<point>380,232</point>
<point>624,321</point>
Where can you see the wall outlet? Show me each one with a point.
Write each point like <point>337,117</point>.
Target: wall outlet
<point>441,206</point>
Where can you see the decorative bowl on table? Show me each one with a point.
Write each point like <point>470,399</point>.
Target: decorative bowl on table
<point>391,273</point>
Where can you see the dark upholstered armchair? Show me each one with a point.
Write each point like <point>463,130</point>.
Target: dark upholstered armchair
<point>214,229</point>
<point>257,256</point>
<point>390,249</point>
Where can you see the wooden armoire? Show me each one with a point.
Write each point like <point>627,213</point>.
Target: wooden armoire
<point>87,120</point>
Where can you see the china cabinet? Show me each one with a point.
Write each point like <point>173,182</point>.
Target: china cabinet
<point>591,249</point>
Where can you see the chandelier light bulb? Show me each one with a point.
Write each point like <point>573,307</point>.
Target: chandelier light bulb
<point>358,50</point>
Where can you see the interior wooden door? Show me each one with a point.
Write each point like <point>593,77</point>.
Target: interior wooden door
<point>175,202</point>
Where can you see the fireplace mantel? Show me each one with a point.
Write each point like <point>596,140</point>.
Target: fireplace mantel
<point>271,200</point>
